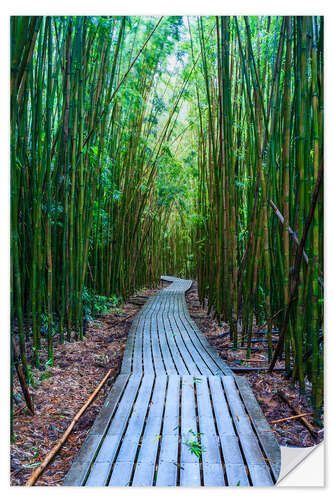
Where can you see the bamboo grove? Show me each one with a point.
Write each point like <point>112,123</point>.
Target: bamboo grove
<point>260,156</point>
<point>190,146</point>
<point>85,147</point>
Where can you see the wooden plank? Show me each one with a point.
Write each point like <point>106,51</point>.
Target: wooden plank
<point>75,476</point>
<point>171,415</point>
<point>260,475</point>
<point>211,457</point>
<point>148,366</point>
<point>193,359</point>
<point>175,338</point>
<point>80,468</point>
<point>190,474</point>
<point>85,457</point>
<point>156,351</point>
<point>222,415</point>
<point>137,349</point>
<point>124,464</point>
<point>264,432</point>
<point>188,433</point>
<point>128,354</point>
<point>150,441</point>
<point>102,465</point>
<point>99,474</point>
<point>213,475</point>
<point>138,343</point>
<point>215,365</point>
<point>168,329</point>
<point>144,474</point>
<point>168,457</point>
<point>164,346</point>
<point>248,440</point>
<point>104,416</point>
<point>121,474</point>
<point>236,475</point>
<point>231,452</point>
<point>212,359</point>
<point>125,406</point>
<point>166,474</point>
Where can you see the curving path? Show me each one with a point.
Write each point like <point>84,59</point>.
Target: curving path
<point>174,390</point>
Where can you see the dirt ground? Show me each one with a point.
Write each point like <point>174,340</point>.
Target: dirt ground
<point>60,391</point>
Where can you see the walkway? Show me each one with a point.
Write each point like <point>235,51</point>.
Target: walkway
<point>173,395</point>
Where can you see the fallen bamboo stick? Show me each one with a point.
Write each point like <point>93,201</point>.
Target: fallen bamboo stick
<point>253,360</point>
<point>31,481</point>
<point>291,418</point>
<point>307,424</point>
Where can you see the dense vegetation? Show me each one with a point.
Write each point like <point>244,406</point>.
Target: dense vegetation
<point>190,146</point>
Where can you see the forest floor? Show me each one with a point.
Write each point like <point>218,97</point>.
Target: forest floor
<point>60,391</point>
<point>265,386</point>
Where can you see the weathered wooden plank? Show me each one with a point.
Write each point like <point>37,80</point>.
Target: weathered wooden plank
<point>260,475</point>
<point>236,475</point>
<point>174,337</point>
<point>121,474</point>
<point>79,470</point>
<point>190,474</point>
<point>85,457</point>
<point>192,357</point>
<point>248,440</point>
<point>222,415</point>
<point>76,476</point>
<point>99,474</point>
<point>152,434</point>
<point>144,474</point>
<point>213,474</point>
<point>102,465</point>
<point>120,418</point>
<point>104,416</point>
<point>168,329</point>
<point>214,364</point>
<point>148,366</point>
<point>164,346</point>
<point>188,423</point>
<point>156,350</point>
<point>211,457</point>
<point>265,434</point>
<point>166,474</point>
<point>137,349</point>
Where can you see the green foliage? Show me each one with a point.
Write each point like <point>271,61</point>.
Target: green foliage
<point>94,305</point>
<point>194,445</point>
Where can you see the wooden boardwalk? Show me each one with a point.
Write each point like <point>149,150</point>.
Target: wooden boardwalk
<point>173,389</point>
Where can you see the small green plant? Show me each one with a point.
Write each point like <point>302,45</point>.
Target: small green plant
<point>30,377</point>
<point>45,376</point>
<point>194,444</point>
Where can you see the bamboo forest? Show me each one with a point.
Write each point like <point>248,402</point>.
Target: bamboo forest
<point>144,147</point>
